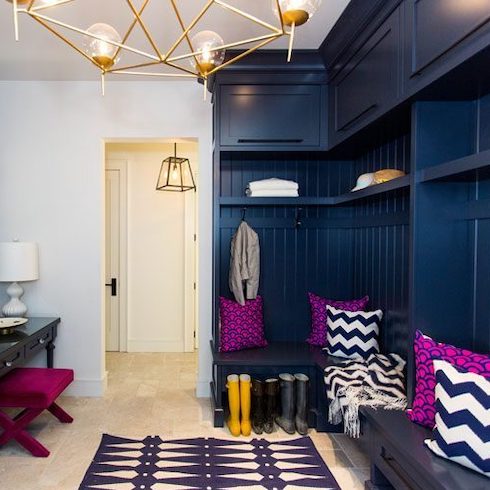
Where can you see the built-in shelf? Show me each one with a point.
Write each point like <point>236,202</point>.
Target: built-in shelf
<point>455,168</point>
<point>275,201</point>
<point>375,190</point>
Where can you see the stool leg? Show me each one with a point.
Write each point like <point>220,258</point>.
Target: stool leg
<point>14,429</point>
<point>60,414</point>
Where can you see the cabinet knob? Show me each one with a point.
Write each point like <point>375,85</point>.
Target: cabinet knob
<point>7,364</point>
<point>41,341</point>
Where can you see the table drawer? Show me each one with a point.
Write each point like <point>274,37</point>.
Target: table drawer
<point>10,360</point>
<point>38,342</point>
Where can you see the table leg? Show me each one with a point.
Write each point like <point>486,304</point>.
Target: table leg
<point>50,354</point>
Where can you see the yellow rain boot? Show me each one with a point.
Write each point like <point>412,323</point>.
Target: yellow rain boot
<point>234,403</point>
<point>245,389</point>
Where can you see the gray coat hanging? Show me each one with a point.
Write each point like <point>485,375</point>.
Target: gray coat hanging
<point>244,263</point>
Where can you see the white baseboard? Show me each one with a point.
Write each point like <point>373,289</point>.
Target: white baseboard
<point>203,390</point>
<point>87,387</point>
<point>155,346</point>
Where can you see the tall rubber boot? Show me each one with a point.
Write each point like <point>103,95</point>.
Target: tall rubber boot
<point>286,420</point>
<point>245,388</point>
<point>258,416</point>
<point>302,387</point>
<point>233,421</point>
<point>271,389</point>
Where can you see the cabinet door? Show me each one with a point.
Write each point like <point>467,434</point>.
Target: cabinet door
<point>272,115</point>
<point>368,84</point>
<point>441,32</point>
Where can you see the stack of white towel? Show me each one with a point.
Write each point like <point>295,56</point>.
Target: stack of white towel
<point>272,188</point>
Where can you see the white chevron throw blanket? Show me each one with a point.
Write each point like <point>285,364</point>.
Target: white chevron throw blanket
<point>375,382</point>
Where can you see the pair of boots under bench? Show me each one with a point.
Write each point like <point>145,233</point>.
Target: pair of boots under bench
<point>264,405</point>
<point>294,404</point>
<point>34,390</point>
<point>239,402</point>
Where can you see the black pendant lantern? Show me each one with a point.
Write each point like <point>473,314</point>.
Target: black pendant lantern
<point>176,174</point>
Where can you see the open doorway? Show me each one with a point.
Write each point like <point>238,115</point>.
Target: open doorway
<point>151,250</point>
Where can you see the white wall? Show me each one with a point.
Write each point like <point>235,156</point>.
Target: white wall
<point>156,247</point>
<point>51,191</point>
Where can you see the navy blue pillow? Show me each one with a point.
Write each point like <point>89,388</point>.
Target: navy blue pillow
<point>462,430</point>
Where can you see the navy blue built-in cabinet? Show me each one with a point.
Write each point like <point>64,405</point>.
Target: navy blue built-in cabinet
<point>396,84</point>
<point>283,115</point>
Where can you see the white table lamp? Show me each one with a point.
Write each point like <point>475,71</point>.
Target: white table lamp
<point>19,262</point>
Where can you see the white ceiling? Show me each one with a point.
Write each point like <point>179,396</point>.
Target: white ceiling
<point>39,55</point>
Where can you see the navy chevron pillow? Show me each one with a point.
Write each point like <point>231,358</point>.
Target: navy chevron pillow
<point>462,431</point>
<point>352,334</point>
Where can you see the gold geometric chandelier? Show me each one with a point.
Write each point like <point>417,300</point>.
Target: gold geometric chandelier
<point>194,53</point>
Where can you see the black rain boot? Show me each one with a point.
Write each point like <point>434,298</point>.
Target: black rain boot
<point>301,420</point>
<point>258,417</point>
<point>286,420</point>
<point>271,392</point>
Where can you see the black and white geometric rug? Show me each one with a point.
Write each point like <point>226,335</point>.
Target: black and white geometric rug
<point>207,464</point>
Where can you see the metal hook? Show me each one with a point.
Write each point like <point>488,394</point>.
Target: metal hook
<point>297,218</point>
<point>244,212</point>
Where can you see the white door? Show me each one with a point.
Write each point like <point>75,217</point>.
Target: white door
<point>112,259</point>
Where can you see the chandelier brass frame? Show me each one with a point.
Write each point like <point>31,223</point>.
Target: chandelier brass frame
<point>156,57</point>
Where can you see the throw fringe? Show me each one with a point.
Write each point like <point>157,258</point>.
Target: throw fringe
<point>346,400</point>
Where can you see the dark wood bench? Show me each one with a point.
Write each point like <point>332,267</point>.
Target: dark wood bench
<point>400,460</point>
<point>270,361</point>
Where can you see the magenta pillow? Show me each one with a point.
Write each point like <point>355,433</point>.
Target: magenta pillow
<point>318,335</point>
<point>423,409</point>
<point>242,327</point>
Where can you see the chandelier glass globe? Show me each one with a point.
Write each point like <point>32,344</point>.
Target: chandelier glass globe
<point>98,49</point>
<point>296,12</point>
<point>208,57</point>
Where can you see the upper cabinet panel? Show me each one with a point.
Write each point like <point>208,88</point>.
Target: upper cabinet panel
<point>273,116</point>
<point>368,83</point>
<point>441,34</point>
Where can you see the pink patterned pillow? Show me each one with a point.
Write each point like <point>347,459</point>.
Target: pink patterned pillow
<point>318,335</point>
<point>423,410</point>
<point>242,327</point>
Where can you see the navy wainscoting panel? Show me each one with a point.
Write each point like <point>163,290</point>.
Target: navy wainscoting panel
<point>381,251</point>
<point>315,256</point>
<point>293,262</point>
<point>341,252</point>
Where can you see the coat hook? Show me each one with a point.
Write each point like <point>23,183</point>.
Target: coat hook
<point>244,212</point>
<point>297,218</point>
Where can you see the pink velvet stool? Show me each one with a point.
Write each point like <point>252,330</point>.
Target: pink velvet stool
<point>34,390</point>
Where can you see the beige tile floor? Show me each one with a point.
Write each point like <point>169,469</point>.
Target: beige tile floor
<point>147,394</point>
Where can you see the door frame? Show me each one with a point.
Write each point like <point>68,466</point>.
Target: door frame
<point>191,253</point>
<point>190,270</point>
<point>122,166</point>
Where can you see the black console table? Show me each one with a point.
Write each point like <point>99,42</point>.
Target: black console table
<point>26,341</point>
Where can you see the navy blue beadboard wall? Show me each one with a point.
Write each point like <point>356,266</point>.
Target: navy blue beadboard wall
<point>315,256</point>
<point>381,253</point>
<point>340,252</point>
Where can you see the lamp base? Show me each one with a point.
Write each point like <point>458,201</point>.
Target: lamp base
<point>15,307</point>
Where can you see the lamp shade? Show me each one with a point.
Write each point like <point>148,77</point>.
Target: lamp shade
<point>19,261</point>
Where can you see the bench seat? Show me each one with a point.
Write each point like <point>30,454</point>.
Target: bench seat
<point>400,460</point>
<point>276,358</point>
